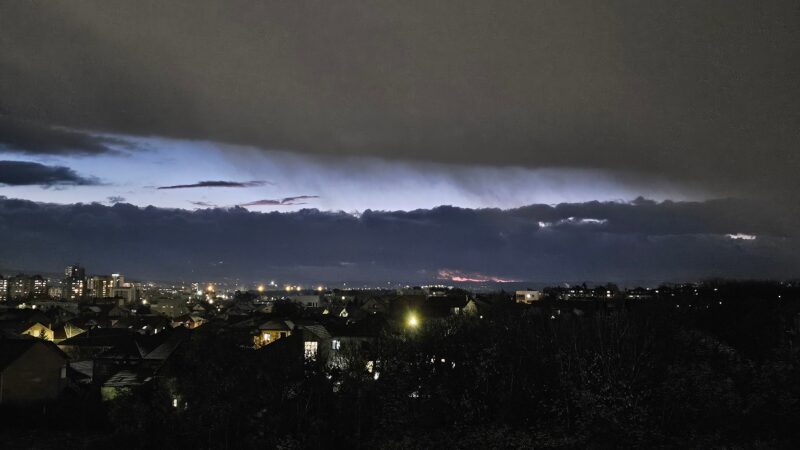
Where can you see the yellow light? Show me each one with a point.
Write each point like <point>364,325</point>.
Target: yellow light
<point>210,288</point>
<point>299,288</point>
<point>260,288</point>
<point>319,288</point>
<point>413,322</point>
<point>288,289</point>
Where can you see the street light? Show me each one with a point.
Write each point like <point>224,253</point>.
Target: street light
<point>412,321</point>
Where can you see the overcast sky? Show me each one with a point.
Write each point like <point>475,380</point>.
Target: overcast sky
<point>399,106</point>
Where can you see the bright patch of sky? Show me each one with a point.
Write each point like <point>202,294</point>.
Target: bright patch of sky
<point>346,183</point>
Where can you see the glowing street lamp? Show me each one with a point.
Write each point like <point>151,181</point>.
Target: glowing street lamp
<point>260,288</point>
<point>412,321</point>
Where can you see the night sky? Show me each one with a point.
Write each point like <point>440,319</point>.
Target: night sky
<point>402,141</point>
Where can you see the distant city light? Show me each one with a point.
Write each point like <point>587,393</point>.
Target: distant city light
<point>742,237</point>
<point>412,320</point>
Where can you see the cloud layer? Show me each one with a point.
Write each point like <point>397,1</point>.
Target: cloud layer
<point>286,201</point>
<point>217,184</point>
<point>702,92</point>
<point>643,240</point>
<point>25,173</point>
<point>29,137</point>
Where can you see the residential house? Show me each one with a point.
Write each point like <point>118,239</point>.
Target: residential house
<point>376,305</point>
<point>528,296</point>
<point>31,371</point>
<point>450,306</point>
<point>272,330</point>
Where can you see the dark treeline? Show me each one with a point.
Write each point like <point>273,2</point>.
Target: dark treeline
<point>721,373</point>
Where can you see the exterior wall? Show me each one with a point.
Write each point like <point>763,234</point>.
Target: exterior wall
<point>3,289</point>
<point>336,350</point>
<point>528,296</point>
<point>74,289</point>
<point>471,308</point>
<point>20,287</point>
<point>101,287</point>
<point>265,337</point>
<point>169,306</point>
<point>170,310</point>
<point>40,331</point>
<point>39,286</point>
<point>55,292</point>
<point>309,301</point>
<point>128,293</point>
<point>34,377</point>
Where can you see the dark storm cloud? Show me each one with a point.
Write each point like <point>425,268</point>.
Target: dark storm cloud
<point>286,201</point>
<point>704,92</point>
<point>34,138</point>
<point>24,173</point>
<point>213,184</point>
<point>417,245</point>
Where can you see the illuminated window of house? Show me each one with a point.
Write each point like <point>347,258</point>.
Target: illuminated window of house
<point>310,348</point>
<point>336,344</point>
<point>267,337</point>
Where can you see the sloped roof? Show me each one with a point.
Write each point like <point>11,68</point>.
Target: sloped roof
<point>277,325</point>
<point>84,368</point>
<point>126,377</point>
<point>121,343</point>
<point>174,339</point>
<point>13,349</point>
<point>19,327</point>
<point>314,331</point>
<point>448,302</point>
<point>99,337</point>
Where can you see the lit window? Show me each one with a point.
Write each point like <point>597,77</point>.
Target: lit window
<point>336,344</point>
<point>267,337</point>
<point>310,348</point>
